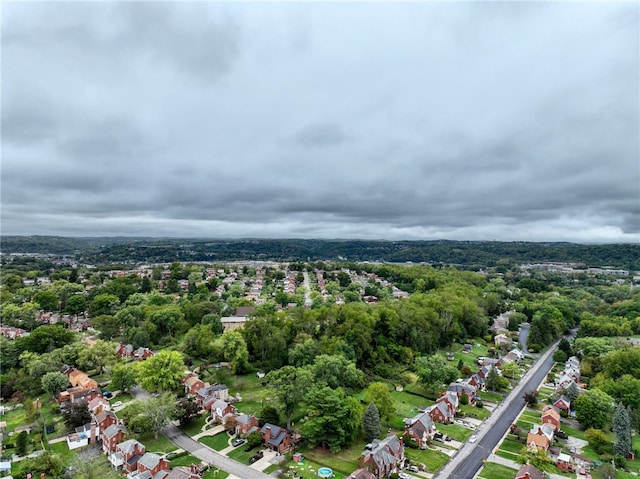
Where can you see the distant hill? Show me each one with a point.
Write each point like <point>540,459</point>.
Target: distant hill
<point>464,253</point>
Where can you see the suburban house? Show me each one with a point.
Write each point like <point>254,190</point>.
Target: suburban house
<point>529,472</point>
<point>420,428</point>
<point>551,417</point>
<point>127,455</point>
<point>98,404</point>
<point>83,436</point>
<point>440,412</point>
<point>124,350</point>
<point>79,378</point>
<point>206,396</point>
<point>221,409</point>
<point>246,424</point>
<point>382,457</point>
<point>180,472</point>
<point>104,419</point>
<point>141,354</point>
<point>152,463</point>
<point>192,384</point>
<point>360,474</point>
<point>476,381</point>
<point>111,437</point>
<point>562,403</point>
<point>537,441</point>
<point>502,340</point>
<point>276,438</point>
<point>463,388</point>
<point>545,430</point>
<point>12,333</point>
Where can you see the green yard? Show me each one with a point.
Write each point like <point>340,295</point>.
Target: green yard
<point>457,432</point>
<point>217,442</point>
<point>346,461</point>
<point>433,460</point>
<point>491,470</point>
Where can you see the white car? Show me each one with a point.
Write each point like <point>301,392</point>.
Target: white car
<point>117,404</point>
<point>404,475</point>
<point>473,438</point>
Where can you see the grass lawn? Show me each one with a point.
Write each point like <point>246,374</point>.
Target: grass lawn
<point>507,455</point>
<point>160,445</point>
<point>346,461</point>
<point>241,454</point>
<point>511,445</point>
<point>577,433</point>
<point>530,416</point>
<point>61,449</point>
<point>188,459</point>
<point>476,412</point>
<point>407,405</point>
<point>217,442</point>
<point>14,418</point>
<point>433,460</point>
<point>491,396</point>
<point>195,427</point>
<point>305,469</point>
<point>457,432</point>
<point>491,470</point>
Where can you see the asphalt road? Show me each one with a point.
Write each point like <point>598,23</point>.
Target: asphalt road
<point>210,456</point>
<point>468,460</point>
<point>203,452</point>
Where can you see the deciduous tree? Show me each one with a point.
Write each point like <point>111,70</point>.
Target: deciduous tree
<point>435,372</point>
<point>54,382</point>
<point>380,394</point>
<point>162,372</point>
<point>289,385</point>
<point>593,408</point>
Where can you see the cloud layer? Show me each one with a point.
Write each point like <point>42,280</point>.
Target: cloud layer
<point>364,120</point>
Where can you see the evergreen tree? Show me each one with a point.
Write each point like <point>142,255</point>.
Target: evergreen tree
<point>622,430</point>
<point>21,443</point>
<point>371,422</point>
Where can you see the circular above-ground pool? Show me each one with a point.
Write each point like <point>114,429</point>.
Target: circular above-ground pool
<point>325,472</point>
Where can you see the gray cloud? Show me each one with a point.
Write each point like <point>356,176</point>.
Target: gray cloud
<point>411,120</point>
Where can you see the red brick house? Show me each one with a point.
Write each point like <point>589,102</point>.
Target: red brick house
<point>276,438</point>
<point>153,463</point>
<point>440,412</point>
<point>563,403</point>
<point>111,437</point>
<point>105,419</point>
<point>420,429</point>
<point>129,453</point>
<point>192,384</point>
<point>246,424</point>
<point>528,472</point>
<point>383,457</point>
<point>551,417</point>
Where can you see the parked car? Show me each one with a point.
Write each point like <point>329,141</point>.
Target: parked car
<point>256,457</point>
<point>117,404</point>
<point>473,438</point>
<point>404,475</point>
<point>413,468</point>
<point>237,442</point>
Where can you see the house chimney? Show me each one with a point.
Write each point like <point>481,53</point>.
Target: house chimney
<point>92,437</point>
<point>267,433</point>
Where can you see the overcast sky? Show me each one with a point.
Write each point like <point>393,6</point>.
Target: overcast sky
<point>506,120</point>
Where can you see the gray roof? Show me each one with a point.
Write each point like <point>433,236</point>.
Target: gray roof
<point>113,430</point>
<point>149,460</point>
<point>130,446</point>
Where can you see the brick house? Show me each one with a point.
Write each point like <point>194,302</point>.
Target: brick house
<point>528,472</point>
<point>276,438</point>
<point>129,453</point>
<point>221,409</point>
<point>440,412</point>
<point>420,429</point>
<point>152,463</point>
<point>246,424</point>
<point>382,457</point>
<point>537,441</point>
<point>111,437</point>
<point>192,384</point>
<point>551,417</point>
<point>98,404</point>
<point>563,403</point>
